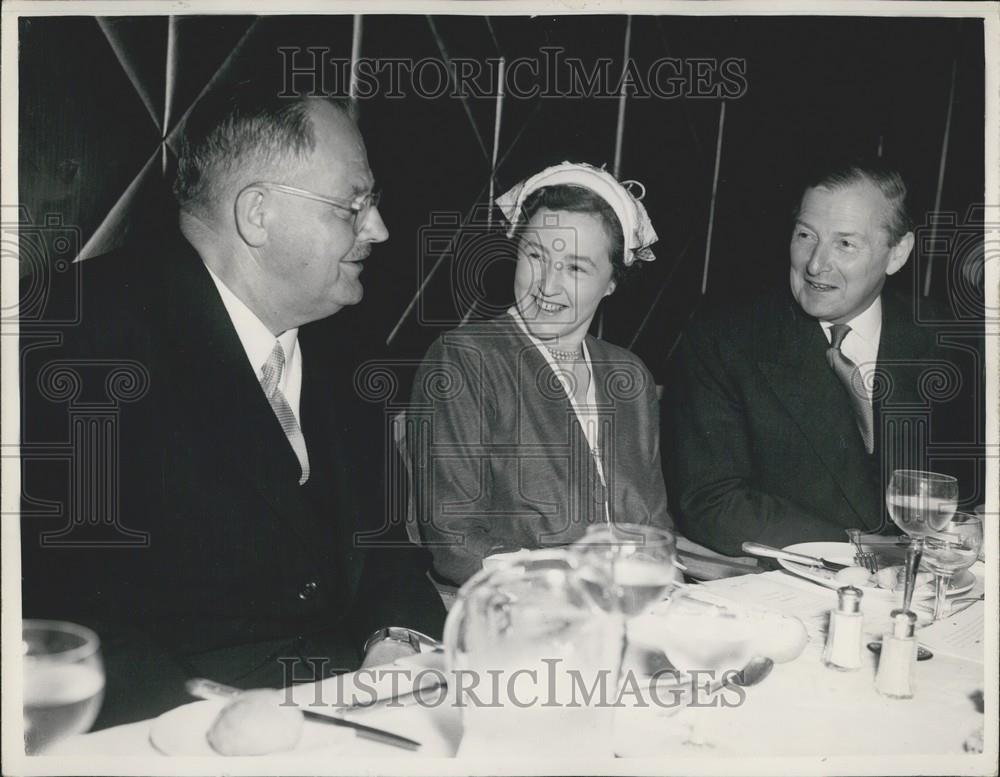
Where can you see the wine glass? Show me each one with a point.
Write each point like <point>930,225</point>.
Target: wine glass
<point>63,681</point>
<point>639,560</point>
<point>697,635</point>
<point>636,564</point>
<point>951,549</point>
<point>921,502</point>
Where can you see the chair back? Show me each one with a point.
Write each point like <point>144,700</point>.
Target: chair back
<point>407,430</point>
<point>399,436</point>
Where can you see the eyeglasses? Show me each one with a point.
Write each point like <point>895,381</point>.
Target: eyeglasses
<point>359,208</point>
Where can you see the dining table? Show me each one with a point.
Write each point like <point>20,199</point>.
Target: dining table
<point>803,715</point>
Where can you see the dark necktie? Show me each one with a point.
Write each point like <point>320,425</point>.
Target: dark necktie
<point>269,379</point>
<point>853,382</point>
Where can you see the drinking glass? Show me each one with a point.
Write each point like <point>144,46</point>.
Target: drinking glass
<point>63,681</point>
<point>699,636</point>
<point>981,512</point>
<point>949,550</point>
<point>532,654</point>
<point>921,502</point>
<point>639,560</point>
<point>640,563</point>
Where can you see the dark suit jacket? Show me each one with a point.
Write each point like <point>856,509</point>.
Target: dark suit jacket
<point>762,442</point>
<point>504,460</point>
<point>237,567</point>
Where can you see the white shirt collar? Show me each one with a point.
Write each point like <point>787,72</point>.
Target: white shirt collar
<point>866,325</point>
<point>257,340</point>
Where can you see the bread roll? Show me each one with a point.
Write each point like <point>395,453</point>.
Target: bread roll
<point>254,723</point>
<point>858,576</point>
<point>893,578</point>
<point>779,637</point>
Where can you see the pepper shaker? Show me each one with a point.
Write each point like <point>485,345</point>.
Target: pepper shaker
<point>898,657</point>
<point>843,641</point>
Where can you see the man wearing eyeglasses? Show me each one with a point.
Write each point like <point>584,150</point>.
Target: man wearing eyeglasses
<point>245,538</point>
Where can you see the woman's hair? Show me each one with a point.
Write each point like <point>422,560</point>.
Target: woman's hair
<point>577,199</point>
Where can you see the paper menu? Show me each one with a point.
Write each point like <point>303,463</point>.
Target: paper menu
<point>770,591</point>
<point>960,636</point>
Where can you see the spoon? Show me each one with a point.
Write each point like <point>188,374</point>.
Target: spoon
<point>757,669</point>
<point>753,672</point>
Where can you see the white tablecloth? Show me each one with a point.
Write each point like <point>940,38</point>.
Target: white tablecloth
<point>803,709</point>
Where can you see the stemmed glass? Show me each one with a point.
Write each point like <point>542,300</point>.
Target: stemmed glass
<point>63,681</point>
<point>949,550</point>
<point>639,561</point>
<point>698,635</point>
<point>920,503</point>
<point>636,564</point>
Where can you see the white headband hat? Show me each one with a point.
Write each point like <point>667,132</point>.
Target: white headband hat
<point>636,227</point>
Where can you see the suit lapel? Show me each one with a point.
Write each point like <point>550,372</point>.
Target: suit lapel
<point>222,396</point>
<point>813,396</point>
<point>905,351</point>
<point>333,488</point>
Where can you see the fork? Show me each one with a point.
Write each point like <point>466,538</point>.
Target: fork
<point>960,605</point>
<point>862,558</point>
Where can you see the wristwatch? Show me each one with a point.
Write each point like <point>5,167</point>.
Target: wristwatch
<point>419,641</point>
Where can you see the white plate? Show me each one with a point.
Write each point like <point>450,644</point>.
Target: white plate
<point>182,731</point>
<point>843,553</point>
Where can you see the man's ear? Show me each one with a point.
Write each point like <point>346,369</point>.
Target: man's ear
<point>899,253</point>
<point>251,216</point>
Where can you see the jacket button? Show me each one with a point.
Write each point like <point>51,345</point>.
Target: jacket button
<point>308,591</point>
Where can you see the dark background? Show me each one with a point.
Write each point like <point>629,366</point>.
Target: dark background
<point>101,100</point>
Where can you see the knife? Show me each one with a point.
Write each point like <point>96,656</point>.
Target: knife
<point>766,551</point>
<point>881,540</point>
<point>209,689</point>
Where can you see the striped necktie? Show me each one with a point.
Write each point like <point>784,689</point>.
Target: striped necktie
<point>269,379</point>
<point>854,384</point>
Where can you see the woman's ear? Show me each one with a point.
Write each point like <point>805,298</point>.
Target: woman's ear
<point>612,285</point>
<point>250,214</point>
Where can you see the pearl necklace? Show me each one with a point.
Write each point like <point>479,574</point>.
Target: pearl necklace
<point>564,356</point>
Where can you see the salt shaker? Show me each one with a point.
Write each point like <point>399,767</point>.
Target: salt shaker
<point>843,641</point>
<point>898,657</point>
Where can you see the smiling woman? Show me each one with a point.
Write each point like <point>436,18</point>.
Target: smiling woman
<point>569,258</point>
<point>538,429</point>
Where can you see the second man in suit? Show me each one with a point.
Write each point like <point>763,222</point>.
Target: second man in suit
<point>787,415</point>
